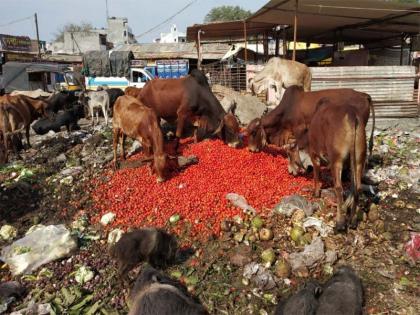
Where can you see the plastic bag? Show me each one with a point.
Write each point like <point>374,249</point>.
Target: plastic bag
<point>291,203</point>
<point>42,246</point>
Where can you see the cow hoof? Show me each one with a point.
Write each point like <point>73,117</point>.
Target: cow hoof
<point>353,224</point>
<point>340,227</point>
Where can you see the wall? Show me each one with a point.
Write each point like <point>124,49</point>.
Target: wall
<point>83,41</point>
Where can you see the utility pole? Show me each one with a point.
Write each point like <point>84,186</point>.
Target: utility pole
<point>37,36</point>
<point>295,31</point>
<point>107,13</point>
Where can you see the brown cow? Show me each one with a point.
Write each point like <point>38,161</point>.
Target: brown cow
<point>133,91</point>
<point>181,99</point>
<point>294,114</point>
<point>336,133</point>
<point>20,111</point>
<point>133,119</point>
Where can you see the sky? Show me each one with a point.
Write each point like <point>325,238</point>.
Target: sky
<point>142,14</point>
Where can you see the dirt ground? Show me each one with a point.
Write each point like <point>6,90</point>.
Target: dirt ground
<point>50,184</point>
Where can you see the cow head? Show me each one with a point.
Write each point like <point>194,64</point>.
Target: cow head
<point>160,162</point>
<point>257,138</point>
<point>228,130</point>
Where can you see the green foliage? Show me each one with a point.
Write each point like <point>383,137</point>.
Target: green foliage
<point>226,13</point>
<point>71,27</point>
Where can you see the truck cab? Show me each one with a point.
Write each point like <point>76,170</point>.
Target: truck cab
<point>139,77</point>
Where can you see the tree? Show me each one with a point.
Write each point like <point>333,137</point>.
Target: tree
<point>71,27</point>
<point>226,13</point>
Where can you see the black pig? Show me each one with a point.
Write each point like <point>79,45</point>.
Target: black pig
<point>304,302</point>
<point>155,246</point>
<point>155,293</point>
<point>342,294</point>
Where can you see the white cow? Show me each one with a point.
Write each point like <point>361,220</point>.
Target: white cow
<point>94,101</point>
<point>279,73</point>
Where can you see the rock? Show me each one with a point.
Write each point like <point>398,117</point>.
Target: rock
<point>241,256</point>
<point>35,227</point>
<point>330,256</point>
<point>38,248</point>
<point>108,218</point>
<point>310,256</point>
<point>9,292</point>
<point>83,274</point>
<point>114,236</point>
<point>373,214</point>
<point>290,204</point>
<point>8,232</point>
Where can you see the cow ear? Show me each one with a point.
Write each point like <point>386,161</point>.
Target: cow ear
<point>219,129</point>
<point>232,108</point>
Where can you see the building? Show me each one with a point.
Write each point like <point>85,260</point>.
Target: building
<point>173,37</point>
<point>118,32</point>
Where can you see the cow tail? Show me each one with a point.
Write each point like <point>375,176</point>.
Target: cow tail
<point>353,198</point>
<point>6,126</point>
<point>307,81</point>
<point>373,126</point>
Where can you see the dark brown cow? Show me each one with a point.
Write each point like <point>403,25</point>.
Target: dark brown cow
<point>294,114</point>
<point>133,91</point>
<point>133,119</point>
<point>18,112</point>
<point>179,100</point>
<point>336,133</point>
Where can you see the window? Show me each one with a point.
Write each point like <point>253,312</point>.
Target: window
<point>174,39</point>
<point>139,77</point>
<point>125,33</point>
<point>102,39</point>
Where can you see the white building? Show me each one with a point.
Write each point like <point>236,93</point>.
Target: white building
<point>173,37</point>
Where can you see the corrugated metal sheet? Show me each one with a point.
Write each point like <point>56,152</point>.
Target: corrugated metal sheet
<point>391,87</point>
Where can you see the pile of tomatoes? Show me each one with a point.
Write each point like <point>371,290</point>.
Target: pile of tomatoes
<point>197,194</point>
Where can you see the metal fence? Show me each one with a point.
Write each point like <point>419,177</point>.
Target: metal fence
<point>392,88</point>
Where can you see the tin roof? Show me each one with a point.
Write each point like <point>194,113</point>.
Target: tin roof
<point>175,50</point>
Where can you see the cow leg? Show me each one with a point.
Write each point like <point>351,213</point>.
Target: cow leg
<point>105,115</point>
<point>115,145</point>
<point>122,138</point>
<point>27,135</point>
<point>317,184</point>
<point>336,170</point>
<point>92,115</point>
